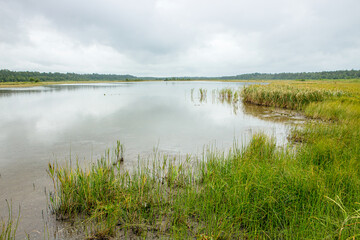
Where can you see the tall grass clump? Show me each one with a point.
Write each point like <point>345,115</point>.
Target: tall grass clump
<point>112,199</point>
<point>225,94</point>
<point>9,226</point>
<point>203,94</point>
<point>286,96</point>
<point>228,95</point>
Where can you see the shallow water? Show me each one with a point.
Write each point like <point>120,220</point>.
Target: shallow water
<point>59,122</point>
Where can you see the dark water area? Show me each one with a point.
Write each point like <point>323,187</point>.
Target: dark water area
<point>79,121</point>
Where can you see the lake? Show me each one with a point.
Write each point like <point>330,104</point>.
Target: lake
<point>80,121</point>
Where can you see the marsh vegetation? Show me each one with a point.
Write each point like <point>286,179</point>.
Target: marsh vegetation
<point>258,189</point>
<point>304,191</point>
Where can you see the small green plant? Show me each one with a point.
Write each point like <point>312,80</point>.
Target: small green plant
<point>8,227</point>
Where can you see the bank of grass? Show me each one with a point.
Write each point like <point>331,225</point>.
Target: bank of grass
<point>326,100</point>
<point>287,96</point>
<point>259,191</point>
<point>343,109</point>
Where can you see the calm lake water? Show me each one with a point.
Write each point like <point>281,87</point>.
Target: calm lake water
<point>43,124</point>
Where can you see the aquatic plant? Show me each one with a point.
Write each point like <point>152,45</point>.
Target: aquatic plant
<point>8,227</point>
<point>226,94</point>
<point>203,93</point>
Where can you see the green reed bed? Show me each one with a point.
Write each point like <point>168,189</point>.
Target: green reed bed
<point>286,96</point>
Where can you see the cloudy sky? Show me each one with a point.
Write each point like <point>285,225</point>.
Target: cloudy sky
<point>179,37</point>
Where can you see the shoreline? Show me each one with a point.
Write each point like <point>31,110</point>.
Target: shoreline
<point>276,81</point>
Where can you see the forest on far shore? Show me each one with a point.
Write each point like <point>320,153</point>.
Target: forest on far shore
<point>26,76</point>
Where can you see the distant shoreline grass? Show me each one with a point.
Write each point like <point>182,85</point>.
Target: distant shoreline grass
<point>259,191</point>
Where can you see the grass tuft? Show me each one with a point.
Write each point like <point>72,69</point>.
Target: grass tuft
<point>8,227</point>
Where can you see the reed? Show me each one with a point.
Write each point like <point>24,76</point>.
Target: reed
<point>203,94</point>
<point>226,94</point>
<point>9,226</point>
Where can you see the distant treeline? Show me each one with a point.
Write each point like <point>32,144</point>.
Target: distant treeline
<point>342,74</point>
<point>13,76</point>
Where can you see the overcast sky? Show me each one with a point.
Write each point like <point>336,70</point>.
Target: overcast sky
<point>179,37</point>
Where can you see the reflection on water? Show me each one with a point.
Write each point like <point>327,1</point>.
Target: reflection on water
<point>231,97</point>
<point>274,114</point>
<point>59,122</point>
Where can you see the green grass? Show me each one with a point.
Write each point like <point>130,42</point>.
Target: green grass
<point>228,95</point>
<point>202,93</point>
<point>287,96</point>
<point>343,109</point>
<point>259,191</point>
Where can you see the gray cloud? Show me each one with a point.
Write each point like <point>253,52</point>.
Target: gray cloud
<point>179,37</point>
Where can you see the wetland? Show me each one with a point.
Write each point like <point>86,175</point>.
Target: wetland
<point>195,160</point>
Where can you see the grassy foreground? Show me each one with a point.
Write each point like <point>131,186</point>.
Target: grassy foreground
<point>310,191</point>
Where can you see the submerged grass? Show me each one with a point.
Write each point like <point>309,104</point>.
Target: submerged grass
<point>258,191</point>
<point>202,93</point>
<point>229,95</point>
